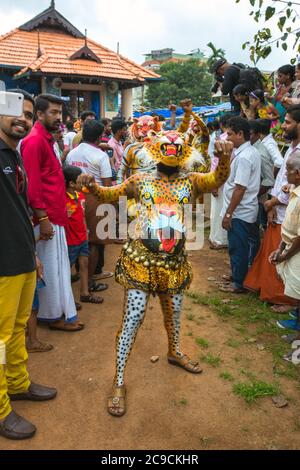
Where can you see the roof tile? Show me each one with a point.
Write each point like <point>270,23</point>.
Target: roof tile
<point>19,48</point>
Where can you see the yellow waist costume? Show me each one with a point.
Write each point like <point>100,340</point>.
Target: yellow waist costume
<point>139,268</point>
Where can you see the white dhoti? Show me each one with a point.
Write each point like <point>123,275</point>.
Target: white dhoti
<point>289,271</point>
<point>217,236</point>
<point>56,299</point>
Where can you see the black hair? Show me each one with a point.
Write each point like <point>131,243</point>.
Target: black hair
<point>86,114</point>
<point>254,126</point>
<point>42,102</point>
<point>298,66</point>
<point>259,94</point>
<point>71,174</point>
<point>117,125</point>
<point>27,96</point>
<point>225,118</point>
<point>265,126</point>
<point>240,90</point>
<point>218,64</point>
<point>215,125</point>
<point>105,121</point>
<point>239,124</point>
<point>294,112</point>
<point>92,130</point>
<point>288,70</point>
<point>70,125</point>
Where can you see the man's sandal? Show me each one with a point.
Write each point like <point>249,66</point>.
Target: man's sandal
<point>116,402</point>
<point>91,299</point>
<point>61,325</point>
<point>39,347</point>
<point>186,363</point>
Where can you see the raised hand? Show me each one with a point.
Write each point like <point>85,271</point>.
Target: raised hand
<point>85,180</point>
<point>172,107</point>
<point>187,105</point>
<point>223,148</point>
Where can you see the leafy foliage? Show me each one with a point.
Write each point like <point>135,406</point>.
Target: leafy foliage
<point>215,54</point>
<point>287,14</point>
<point>186,79</point>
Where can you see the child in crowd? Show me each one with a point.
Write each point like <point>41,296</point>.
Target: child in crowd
<point>287,257</point>
<point>76,233</point>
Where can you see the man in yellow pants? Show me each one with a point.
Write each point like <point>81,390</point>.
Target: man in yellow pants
<point>17,277</point>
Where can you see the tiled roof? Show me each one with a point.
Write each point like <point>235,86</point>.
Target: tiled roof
<point>19,48</point>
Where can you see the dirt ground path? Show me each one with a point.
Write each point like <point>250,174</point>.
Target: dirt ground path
<point>167,408</point>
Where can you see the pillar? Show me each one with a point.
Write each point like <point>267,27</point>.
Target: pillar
<point>127,103</point>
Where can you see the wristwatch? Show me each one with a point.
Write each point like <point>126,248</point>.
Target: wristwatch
<point>228,216</point>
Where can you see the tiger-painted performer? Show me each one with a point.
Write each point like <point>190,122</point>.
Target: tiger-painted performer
<point>155,261</point>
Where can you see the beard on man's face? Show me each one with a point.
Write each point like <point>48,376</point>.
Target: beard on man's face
<point>291,134</point>
<point>14,128</point>
<point>53,126</point>
<point>50,124</point>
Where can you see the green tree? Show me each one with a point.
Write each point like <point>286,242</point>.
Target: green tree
<point>215,54</point>
<point>186,79</point>
<point>287,14</point>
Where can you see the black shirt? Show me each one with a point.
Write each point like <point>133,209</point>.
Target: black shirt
<point>17,242</point>
<point>231,79</point>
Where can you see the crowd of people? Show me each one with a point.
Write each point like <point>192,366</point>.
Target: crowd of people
<point>49,233</point>
<point>255,214</point>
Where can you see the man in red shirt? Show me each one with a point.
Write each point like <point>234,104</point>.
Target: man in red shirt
<point>46,191</point>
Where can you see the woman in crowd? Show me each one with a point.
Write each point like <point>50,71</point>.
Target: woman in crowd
<point>294,96</point>
<point>285,77</point>
<point>242,96</point>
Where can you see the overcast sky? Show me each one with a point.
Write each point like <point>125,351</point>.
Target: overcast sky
<point>143,25</point>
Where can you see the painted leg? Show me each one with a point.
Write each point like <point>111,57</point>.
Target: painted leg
<point>135,304</point>
<point>171,307</point>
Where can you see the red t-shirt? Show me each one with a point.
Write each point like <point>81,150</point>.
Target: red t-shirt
<point>76,231</point>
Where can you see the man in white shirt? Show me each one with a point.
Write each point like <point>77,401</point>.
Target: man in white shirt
<point>89,157</point>
<point>240,207</point>
<point>270,143</point>
<point>93,161</point>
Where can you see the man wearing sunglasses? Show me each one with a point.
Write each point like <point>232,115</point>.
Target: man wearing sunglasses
<point>17,277</point>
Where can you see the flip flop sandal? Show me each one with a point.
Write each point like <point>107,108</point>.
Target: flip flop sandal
<point>42,347</point>
<point>69,327</point>
<point>281,308</point>
<point>232,290</point>
<point>218,247</point>
<point>104,275</point>
<point>185,363</point>
<point>289,338</point>
<point>98,287</point>
<point>116,402</point>
<point>90,299</point>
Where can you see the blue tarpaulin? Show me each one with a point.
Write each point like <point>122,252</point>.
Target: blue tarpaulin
<point>209,111</point>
